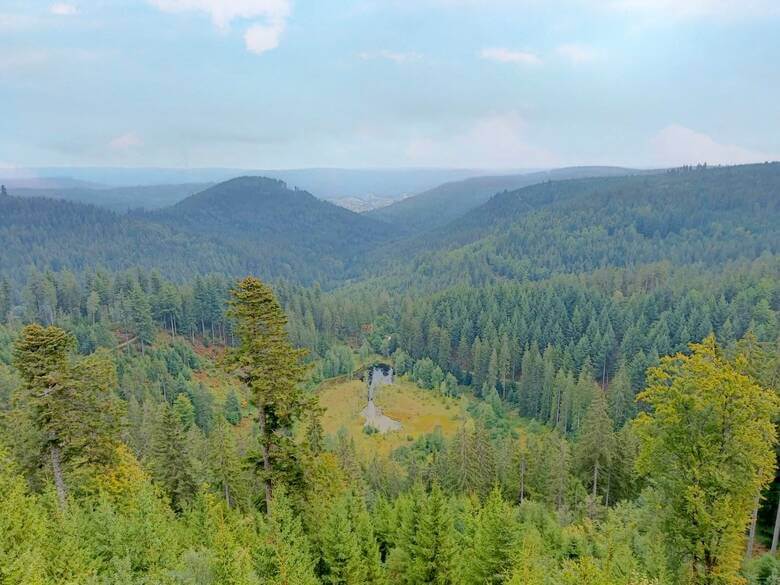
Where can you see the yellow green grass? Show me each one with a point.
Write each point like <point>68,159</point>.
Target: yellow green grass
<point>419,411</point>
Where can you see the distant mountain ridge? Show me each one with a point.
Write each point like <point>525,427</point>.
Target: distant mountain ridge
<point>445,203</point>
<point>245,225</point>
<point>118,198</point>
<point>326,183</point>
<point>704,216</point>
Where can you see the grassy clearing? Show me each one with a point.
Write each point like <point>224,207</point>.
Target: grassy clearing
<point>419,411</point>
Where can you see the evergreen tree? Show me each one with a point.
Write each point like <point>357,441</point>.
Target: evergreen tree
<point>184,411</point>
<point>489,555</point>
<point>271,368</point>
<point>5,300</point>
<point>170,458</point>
<point>225,463</point>
<point>71,404</point>
<point>596,442</point>
<point>434,552</point>
<point>141,322</point>
<point>232,408</point>
<point>293,563</point>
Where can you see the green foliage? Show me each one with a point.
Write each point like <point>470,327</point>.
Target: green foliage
<point>707,445</point>
<point>271,369</point>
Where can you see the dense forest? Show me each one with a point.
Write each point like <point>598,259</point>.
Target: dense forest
<point>613,345</point>
<point>438,206</point>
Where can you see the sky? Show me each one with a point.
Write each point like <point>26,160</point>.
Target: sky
<point>492,84</point>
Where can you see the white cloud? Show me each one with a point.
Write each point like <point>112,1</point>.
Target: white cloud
<point>503,55</point>
<point>497,141</point>
<point>63,9</point>
<point>579,54</point>
<point>678,145</point>
<point>126,141</point>
<point>260,38</point>
<point>394,56</point>
<point>267,18</point>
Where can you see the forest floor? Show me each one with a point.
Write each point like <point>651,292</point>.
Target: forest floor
<point>419,411</point>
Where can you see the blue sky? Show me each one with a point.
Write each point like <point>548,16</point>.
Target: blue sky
<point>388,83</point>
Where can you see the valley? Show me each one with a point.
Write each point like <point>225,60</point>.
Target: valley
<point>503,363</point>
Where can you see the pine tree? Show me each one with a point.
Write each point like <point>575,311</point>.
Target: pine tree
<point>350,552</point>
<point>271,368</point>
<point>225,462</point>
<point>620,397</point>
<point>24,529</point>
<point>292,558</point>
<point>5,300</point>
<point>434,551</point>
<point>341,551</point>
<point>184,411</point>
<point>596,442</point>
<point>141,322</point>
<point>232,408</point>
<point>495,536</point>
<point>170,459</point>
<point>71,405</point>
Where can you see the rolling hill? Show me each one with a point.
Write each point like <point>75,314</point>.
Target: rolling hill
<point>445,203</point>
<point>245,225</point>
<point>294,232</point>
<point>703,216</point>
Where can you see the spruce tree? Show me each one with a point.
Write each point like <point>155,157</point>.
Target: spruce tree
<point>170,458</point>
<point>265,361</point>
<point>232,408</point>
<point>489,555</point>
<point>71,403</point>
<point>434,555</point>
<point>596,442</point>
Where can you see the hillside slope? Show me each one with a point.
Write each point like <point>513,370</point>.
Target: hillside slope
<point>246,225</point>
<point>299,236</point>
<point>445,203</point>
<point>687,216</point>
<point>56,234</point>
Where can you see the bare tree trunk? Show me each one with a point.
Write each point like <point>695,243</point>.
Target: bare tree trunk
<point>752,533</point>
<point>59,480</point>
<point>776,533</point>
<point>522,479</point>
<point>561,478</point>
<point>227,493</point>
<point>266,457</point>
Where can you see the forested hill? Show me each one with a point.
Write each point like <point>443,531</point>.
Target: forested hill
<point>55,234</point>
<point>263,208</point>
<point>246,225</point>
<point>445,203</point>
<point>299,235</point>
<point>705,216</point>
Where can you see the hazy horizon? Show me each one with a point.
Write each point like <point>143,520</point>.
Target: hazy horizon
<point>366,84</point>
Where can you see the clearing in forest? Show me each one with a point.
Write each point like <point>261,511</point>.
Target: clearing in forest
<point>419,411</point>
